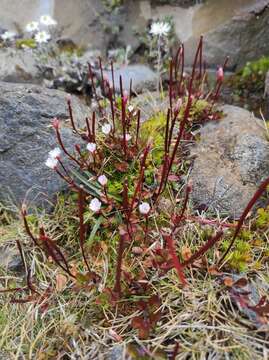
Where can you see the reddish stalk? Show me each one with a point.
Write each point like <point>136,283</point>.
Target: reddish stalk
<point>113,81</point>
<point>140,180</point>
<point>89,129</point>
<point>182,69</point>
<point>102,74</point>
<point>250,205</point>
<point>110,96</point>
<point>71,115</point>
<point>27,271</point>
<point>177,265</point>
<point>209,244</point>
<point>171,85</point>
<point>56,254</point>
<point>93,125</point>
<point>117,286</point>
<point>186,200</point>
<point>166,154</point>
<point>63,147</point>
<point>92,80</point>
<point>26,226</point>
<point>123,118</point>
<point>175,351</point>
<point>219,84</point>
<point>137,127</point>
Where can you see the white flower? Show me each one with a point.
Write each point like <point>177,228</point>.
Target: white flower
<point>102,179</point>
<point>51,163</point>
<point>42,37</point>
<point>106,129</point>
<point>130,108</point>
<point>55,153</point>
<point>95,205</point>
<point>144,208</point>
<point>32,26</point>
<point>160,29</point>
<point>127,137</point>
<point>8,35</point>
<point>47,20</point>
<point>91,147</point>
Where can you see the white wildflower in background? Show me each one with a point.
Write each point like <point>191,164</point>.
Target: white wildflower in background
<point>55,153</point>
<point>95,205</point>
<point>102,179</point>
<point>128,137</point>
<point>160,29</point>
<point>144,208</point>
<point>32,26</point>
<point>91,147</point>
<point>47,20</point>
<point>42,37</point>
<point>106,129</point>
<point>8,35</point>
<point>130,108</point>
<point>51,163</point>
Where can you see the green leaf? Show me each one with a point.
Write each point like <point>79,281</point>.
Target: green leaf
<point>95,228</point>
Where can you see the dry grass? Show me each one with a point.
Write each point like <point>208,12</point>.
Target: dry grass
<point>68,323</point>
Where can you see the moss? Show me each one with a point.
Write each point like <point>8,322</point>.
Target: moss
<point>30,43</point>
<point>251,78</point>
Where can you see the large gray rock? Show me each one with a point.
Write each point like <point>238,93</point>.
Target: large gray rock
<point>238,29</point>
<point>231,160</point>
<point>17,65</point>
<point>143,78</point>
<point>26,137</point>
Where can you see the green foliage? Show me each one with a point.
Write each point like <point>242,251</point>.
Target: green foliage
<point>251,78</point>
<point>113,4</point>
<point>30,43</point>
<point>239,258</point>
<point>262,218</point>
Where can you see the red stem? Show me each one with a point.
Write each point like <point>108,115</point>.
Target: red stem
<point>71,116</point>
<point>117,287</point>
<point>250,205</point>
<point>178,266</point>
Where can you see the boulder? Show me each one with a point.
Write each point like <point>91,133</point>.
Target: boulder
<point>143,78</point>
<point>26,137</point>
<point>17,65</point>
<point>235,29</point>
<point>230,161</point>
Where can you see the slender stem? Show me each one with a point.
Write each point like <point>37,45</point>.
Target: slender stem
<point>113,81</point>
<point>159,66</point>
<point>137,127</point>
<point>117,287</point>
<point>123,118</point>
<point>63,147</point>
<point>71,115</point>
<point>89,129</point>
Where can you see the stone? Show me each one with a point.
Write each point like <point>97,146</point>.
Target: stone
<point>240,30</point>
<point>143,78</point>
<point>10,259</point>
<point>26,137</point>
<point>231,159</point>
<point>19,66</point>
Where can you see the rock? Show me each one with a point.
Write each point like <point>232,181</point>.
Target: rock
<point>118,352</point>
<point>26,137</point>
<point>231,160</point>
<point>10,259</point>
<point>17,65</point>
<point>143,78</point>
<point>239,30</point>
